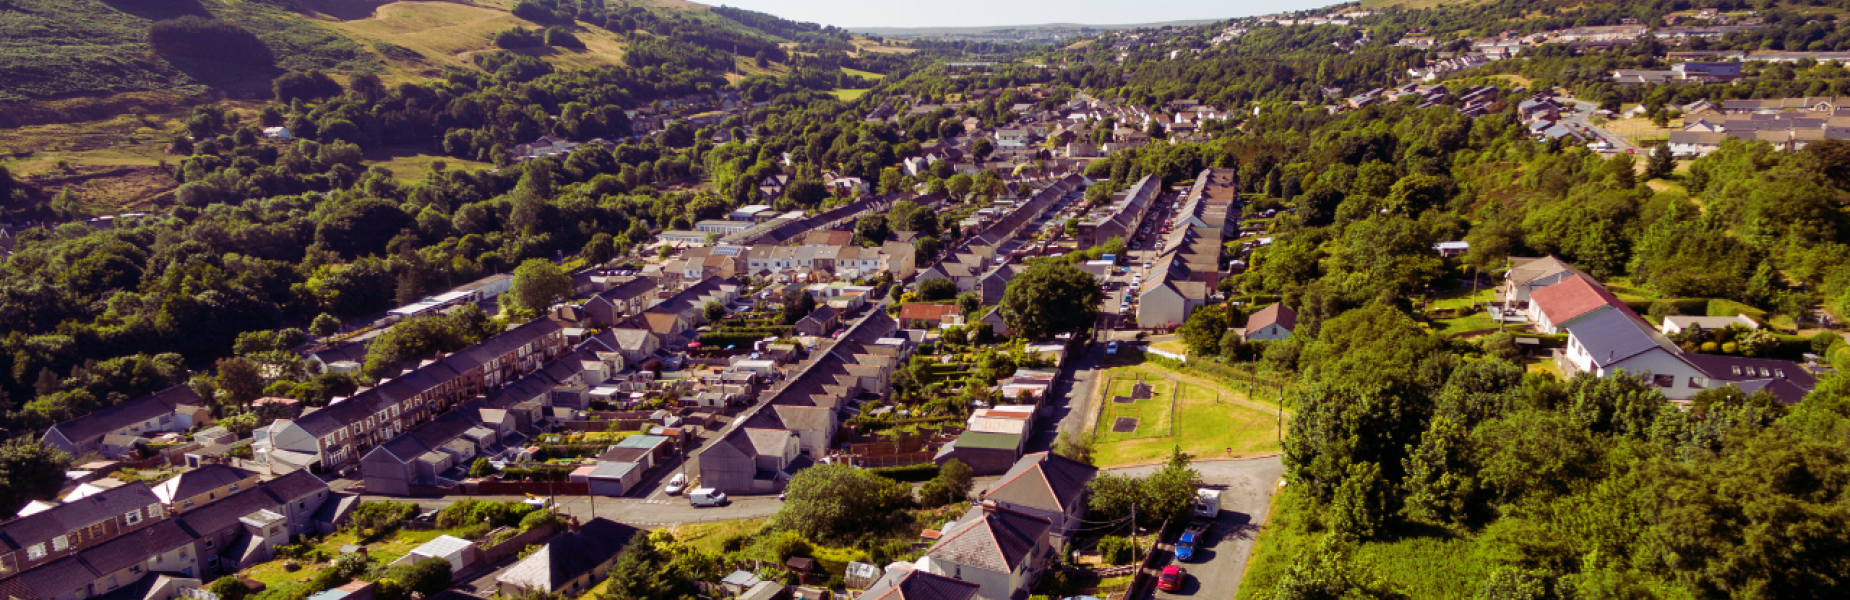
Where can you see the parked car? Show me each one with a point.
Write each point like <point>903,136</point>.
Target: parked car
<point>706,497</point>
<point>1171,579</point>
<point>676,484</point>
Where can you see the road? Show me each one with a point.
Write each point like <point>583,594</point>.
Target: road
<point>1577,120</point>
<point>1246,496</point>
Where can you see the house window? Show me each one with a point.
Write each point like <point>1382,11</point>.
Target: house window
<point>35,552</point>
<point>1696,382</point>
<point>60,543</point>
<point>210,543</point>
<point>133,516</point>
<point>1664,381</point>
<point>1736,369</point>
<point>234,487</point>
<point>188,505</point>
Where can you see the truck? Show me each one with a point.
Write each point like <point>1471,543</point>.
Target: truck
<point>1207,503</point>
<point>1192,537</point>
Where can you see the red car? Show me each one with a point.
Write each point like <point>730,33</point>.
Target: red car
<point>1171,580</point>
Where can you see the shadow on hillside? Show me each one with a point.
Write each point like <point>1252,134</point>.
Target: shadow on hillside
<point>157,10</point>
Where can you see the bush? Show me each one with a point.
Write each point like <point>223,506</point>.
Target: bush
<point>790,544</point>
<point>908,473</point>
<point>382,516</point>
<point>1115,550</point>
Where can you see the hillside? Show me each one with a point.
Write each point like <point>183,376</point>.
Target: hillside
<point>67,48</point>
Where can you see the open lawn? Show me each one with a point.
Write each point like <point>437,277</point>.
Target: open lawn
<point>847,95</point>
<point>1208,420</point>
<point>411,164</point>
<point>711,537</point>
<point>866,74</point>
<point>1149,408</point>
<point>1476,321</point>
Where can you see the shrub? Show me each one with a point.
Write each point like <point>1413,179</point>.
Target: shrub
<point>908,473</point>
<point>790,544</point>
<point>1115,550</point>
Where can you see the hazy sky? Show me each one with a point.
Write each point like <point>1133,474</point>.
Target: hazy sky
<point>979,13</point>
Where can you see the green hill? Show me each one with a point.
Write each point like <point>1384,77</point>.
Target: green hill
<point>65,48</point>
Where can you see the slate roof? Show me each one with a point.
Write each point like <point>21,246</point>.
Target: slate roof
<point>768,442</point>
<point>991,538</point>
<point>52,522</point>
<point>1043,480</point>
<point>569,555</point>
<point>136,547</point>
<point>1786,380</point>
<point>97,424</point>
<point>1277,313</point>
<point>804,417</point>
<point>199,481</point>
<point>294,485</point>
<point>1524,270</point>
<point>1611,336</point>
<point>909,584</point>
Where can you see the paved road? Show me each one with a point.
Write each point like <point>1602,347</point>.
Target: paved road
<point>1246,496</point>
<point>1578,119</point>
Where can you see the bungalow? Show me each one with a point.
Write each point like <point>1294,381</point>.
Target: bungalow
<point>1274,322</point>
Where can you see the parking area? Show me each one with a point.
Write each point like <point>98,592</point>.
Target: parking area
<point>1246,494</point>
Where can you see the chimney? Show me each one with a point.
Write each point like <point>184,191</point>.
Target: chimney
<point>989,506</point>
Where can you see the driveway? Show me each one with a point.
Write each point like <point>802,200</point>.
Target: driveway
<point>1578,118</point>
<point>1246,494</point>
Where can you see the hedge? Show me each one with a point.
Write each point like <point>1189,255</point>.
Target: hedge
<point>908,473</point>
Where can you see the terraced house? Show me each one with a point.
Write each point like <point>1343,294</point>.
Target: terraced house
<point>342,432</point>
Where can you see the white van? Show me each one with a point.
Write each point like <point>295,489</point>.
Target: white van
<point>704,497</point>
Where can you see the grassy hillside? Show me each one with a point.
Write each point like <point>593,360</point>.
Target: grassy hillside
<point>67,48</point>
<point>418,39</point>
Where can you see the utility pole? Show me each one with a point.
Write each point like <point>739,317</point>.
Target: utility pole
<point>1134,545</point>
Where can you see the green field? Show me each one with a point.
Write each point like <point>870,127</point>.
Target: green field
<point>848,95</point>
<point>1208,420</point>
<point>1152,414</point>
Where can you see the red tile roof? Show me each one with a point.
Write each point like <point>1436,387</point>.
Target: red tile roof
<point>927,312</point>
<point>1276,313</point>
<point>1572,298</point>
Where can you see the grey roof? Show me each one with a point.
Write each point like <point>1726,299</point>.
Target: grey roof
<point>768,442</point>
<point>1611,336</point>
<point>908,584</point>
<point>1043,480</point>
<point>991,538</point>
<point>569,555</point>
<point>77,514</point>
<point>225,513</point>
<point>294,485</point>
<point>49,580</point>
<point>199,481</point>
<point>128,550</point>
<point>366,404</point>
<point>613,470</point>
<point>97,424</point>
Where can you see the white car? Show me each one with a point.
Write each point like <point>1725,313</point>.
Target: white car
<point>676,484</point>
<point>1111,348</point>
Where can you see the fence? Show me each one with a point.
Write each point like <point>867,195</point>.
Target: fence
<point>1142,578</point>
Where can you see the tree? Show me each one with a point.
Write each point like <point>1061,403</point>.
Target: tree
<point>1169,494</point>
<point>871,230</point>
<point>1361,506</point>
<point>600,249</point>
<point>959,186</point>
<point>1050,298</point>
<point>427,577</point>
<point>934,290</point>
<point>982,148</point>
<point>797,304</point>
<point>481,468</point>
<point>713,311</point>
<point>324,325</point>
<point>240,380</point>
<point>1203,331</point>
<point>29,471</point>
<point>839,503</point>
<point>538,284</point>
<point>951,486</point>
<point>1662,163</point>
<point>1075,447</point>
<point>229,588</point>
<point>1110,498</point>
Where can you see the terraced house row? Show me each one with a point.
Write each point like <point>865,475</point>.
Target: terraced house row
<point>342,432</point>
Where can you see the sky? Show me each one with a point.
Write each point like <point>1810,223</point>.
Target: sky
<point>987,13</point>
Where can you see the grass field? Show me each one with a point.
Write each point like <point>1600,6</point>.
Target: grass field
<point>711,537</point>
<point>1207,421</point>
<point>848,95</point>
<point>449,33</point>
<point>1152,414</point>
<point>411,164</point>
